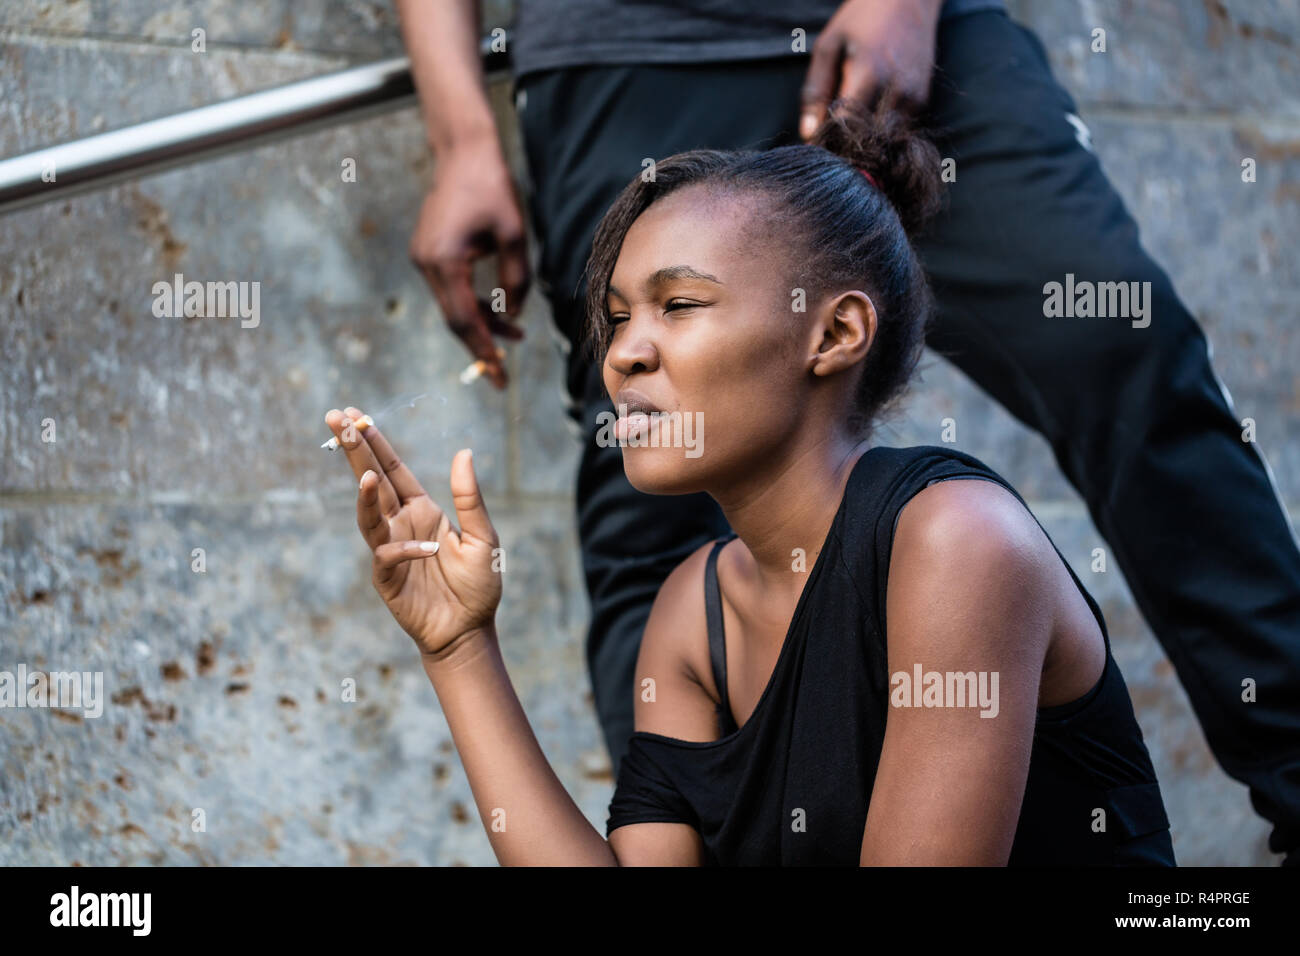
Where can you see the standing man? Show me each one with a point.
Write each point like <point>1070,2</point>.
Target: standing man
<point>1133,410</point>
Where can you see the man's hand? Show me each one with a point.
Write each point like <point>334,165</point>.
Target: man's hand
<point>472,211</point>
<point>868,46</point>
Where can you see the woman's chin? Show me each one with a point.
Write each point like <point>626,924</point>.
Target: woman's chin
<point>656,471</point>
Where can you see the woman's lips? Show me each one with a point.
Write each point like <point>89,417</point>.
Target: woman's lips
<point>633,423</point>
<point>637,414</point>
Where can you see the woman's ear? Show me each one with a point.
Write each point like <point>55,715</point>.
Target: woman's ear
<point>843,332</point>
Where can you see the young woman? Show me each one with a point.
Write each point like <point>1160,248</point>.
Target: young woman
<point>888,661</point>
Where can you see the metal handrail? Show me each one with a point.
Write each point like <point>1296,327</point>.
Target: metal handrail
<point>57,172</point>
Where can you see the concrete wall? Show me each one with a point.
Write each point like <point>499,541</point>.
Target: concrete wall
<point>176,434</point>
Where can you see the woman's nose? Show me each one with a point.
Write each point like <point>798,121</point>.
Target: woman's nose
<point>632,349</point>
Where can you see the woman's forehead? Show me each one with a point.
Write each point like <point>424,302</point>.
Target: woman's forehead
<point>710,233</point>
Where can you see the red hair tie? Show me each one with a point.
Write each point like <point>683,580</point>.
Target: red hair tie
<point>871,179</point>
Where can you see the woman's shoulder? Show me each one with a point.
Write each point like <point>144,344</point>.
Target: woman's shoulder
<point>976,543</point>
<point>685,583</point>
<point>676,633</point>
<point>888,466</point>
<point>969,560</point>
<point>677,614</point>
<point>912,526</point>
<point>889,481</point>
<point>974,517</point>
<point>972,577</point>
<point>932,512</point>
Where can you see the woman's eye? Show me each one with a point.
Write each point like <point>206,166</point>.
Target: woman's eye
<point>673,305</point>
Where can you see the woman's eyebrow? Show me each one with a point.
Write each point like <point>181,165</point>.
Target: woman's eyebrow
<point>668,274</point>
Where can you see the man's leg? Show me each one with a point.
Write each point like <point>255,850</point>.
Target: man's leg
<point>1136,417</point>
<point>586,132</point>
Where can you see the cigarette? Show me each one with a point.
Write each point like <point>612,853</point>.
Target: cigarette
<point>476,369</point>
<point>362,424</point>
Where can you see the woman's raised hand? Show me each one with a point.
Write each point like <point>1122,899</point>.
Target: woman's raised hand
<point>438,582</point>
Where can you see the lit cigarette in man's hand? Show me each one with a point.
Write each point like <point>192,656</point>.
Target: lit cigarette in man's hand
<point>361,425</point>
<point>478,368</point>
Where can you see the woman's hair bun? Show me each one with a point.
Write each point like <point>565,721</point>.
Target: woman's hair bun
<point>884,141</point>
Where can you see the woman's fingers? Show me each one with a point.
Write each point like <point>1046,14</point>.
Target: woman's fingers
<point>370,518</point>
<point>399,476</point>
<point>468,501</point>
<point>361,458</point>
<point>389,557</point>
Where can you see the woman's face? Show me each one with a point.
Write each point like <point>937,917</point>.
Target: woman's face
<point>704,325</point>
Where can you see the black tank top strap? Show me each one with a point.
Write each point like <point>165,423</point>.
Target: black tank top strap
<point>717,638</point>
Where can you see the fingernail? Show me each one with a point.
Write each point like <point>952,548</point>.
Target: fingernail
<point>808,125</point>
<point>362,483</point>
<point>430,546</point>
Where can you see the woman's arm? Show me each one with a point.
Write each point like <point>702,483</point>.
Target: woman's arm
<point>671,701</point>
<point>530,818</point>
<point>446,599</point>
<point>969,593</point>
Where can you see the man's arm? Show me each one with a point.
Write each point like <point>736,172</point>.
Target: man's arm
<point>442,40</point>
<point>472,209</point>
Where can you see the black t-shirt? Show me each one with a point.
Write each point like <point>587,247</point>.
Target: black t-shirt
<point>792,786</point>
<point>568,33</point>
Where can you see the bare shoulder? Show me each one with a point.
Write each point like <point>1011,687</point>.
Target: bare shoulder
<point>969,564</point>
<point>675,695</point>
<point>971,516</point>
<point>973,545</point>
